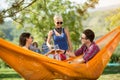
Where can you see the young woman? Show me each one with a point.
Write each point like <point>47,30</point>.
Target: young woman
<point>61,38</point>
<point>60,35</point>
<point>25,40</point>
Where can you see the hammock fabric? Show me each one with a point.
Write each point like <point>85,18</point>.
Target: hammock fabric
<point>33,66</point>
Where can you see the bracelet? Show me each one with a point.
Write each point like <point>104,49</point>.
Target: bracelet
<point>64,52</point>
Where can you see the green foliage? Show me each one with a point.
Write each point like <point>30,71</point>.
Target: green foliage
<point>9,32</point>
<point>36,16</point>
<point>5,30</point>
<point>116,56</point>
<point>114,19</point>
<point>2,35</point>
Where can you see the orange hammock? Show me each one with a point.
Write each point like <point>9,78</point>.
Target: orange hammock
<point>33,66</point>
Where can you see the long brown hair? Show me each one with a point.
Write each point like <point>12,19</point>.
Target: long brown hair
<point>22,38</point>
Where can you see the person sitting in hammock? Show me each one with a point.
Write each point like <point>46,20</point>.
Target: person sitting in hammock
<point>25,40</point>
<point>89,48</point>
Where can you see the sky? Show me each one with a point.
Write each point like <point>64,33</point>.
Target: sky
<point>102,3</point>
<point>106,3</point>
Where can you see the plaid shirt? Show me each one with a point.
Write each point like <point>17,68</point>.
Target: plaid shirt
<point>88,52</point>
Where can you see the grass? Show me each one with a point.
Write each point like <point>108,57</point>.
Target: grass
<point>9,74</point>
<point>110,73</point>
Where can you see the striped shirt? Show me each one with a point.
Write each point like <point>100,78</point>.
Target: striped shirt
<point>88,53</point>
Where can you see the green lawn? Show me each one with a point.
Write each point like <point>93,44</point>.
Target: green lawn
<point>110,73</point>
<point>9,74</point>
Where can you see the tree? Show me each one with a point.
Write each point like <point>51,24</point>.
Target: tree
<point>2,35</point>
<point>114,19</point>
<point>37,18</point>
<point>15,7</point>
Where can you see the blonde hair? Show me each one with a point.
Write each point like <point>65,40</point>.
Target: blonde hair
<point>57,17</point>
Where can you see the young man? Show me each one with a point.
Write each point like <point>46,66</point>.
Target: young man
<point>88,48</point>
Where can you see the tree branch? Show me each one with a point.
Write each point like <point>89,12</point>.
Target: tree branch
<point>14,10</point>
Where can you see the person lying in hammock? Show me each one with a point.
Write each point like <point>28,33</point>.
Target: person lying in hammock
<point>25,40</point>
<point>89,48</point>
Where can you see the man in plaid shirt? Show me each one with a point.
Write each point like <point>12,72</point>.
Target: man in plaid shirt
<point>89,48</point>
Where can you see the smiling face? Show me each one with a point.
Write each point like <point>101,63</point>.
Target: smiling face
<point>87,37</point>
<point>29,40</point>
<point>25,38</point>
<point>83,38</point>
<point>58,21</point>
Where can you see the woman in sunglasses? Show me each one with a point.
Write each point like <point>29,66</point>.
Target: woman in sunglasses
<point>60,35</point>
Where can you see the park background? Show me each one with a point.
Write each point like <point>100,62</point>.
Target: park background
<point>36,17</point>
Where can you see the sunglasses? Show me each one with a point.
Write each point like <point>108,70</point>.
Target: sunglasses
<point>59,22</point>
<point>83,38</point>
